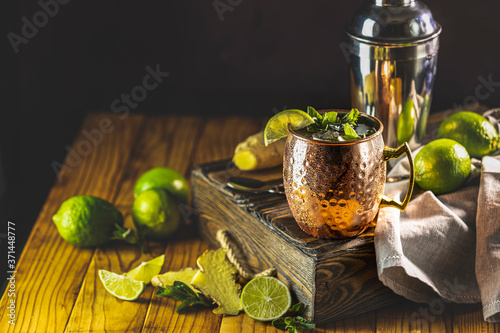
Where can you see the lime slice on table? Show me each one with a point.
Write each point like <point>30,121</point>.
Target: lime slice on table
<point>265,298</point>
<point>276,127</point>
<point>147,269</point>
<point>121,286</point>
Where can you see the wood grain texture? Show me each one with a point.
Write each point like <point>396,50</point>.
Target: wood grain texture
<point>468,318</point>
<point>57,284</point>
<point>50,271</point>
<point>407,316</point>
<point>166,142</point>
<point>333,278</point>
<point>243,323</point>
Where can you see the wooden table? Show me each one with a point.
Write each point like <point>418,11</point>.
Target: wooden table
<point>57,287</point>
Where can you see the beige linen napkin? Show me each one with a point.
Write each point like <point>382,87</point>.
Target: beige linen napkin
<point>444,248</point>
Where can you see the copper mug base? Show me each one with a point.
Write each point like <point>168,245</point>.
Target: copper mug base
<point>335,188</point>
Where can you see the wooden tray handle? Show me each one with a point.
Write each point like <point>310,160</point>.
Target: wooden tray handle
<point>224,241</point>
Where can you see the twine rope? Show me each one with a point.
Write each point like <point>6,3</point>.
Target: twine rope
<point>223,239</point>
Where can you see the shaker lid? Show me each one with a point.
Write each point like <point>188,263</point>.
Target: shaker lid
<point>393,22</point>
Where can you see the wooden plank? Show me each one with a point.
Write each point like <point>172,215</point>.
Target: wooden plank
<point>363,323</point>
<point>220,137</point>
<point>468,318</point>
<point>243,323</point>
<point>50,271</point>
<point>165,141</point>
<point>216,140</point>
<point>408,316</point>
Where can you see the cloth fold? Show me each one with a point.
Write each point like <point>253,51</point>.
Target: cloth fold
<point>448,246</point>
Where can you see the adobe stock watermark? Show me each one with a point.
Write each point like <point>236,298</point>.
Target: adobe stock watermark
<point>435,307</point>
<point>30,28</point>
<point>223,6</point>
<point>483,91</point>
<point>276,110</point>
<point>121,106</point>
<point>486,87</point>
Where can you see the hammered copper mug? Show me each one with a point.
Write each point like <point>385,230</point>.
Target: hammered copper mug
<point>335,188</point>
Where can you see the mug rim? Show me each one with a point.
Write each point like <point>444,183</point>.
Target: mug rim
<point>340,143</point>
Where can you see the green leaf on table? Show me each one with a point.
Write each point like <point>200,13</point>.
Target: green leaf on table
<point>280,323</point>
<point>182,292</point>
<point>304,324</point>
<point>297,309</point>
<point>295,322</point>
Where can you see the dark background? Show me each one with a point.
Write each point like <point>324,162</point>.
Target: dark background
<point>263,55</point>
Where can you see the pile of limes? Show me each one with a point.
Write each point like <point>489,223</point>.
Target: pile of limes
<point>91,221</point>
<point>444,165</point>
<point>159,193</point>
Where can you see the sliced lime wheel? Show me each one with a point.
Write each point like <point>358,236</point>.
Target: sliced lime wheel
<point>277,126</point>
<point>265,298</point>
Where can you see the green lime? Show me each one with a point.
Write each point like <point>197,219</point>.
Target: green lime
<point>164,178</point>
<point>265,298</point>
<point>156,213</point>
<point>472,130</point>
<point>121,286</point>
<point>406,122</point>
<point>86,220</point>
<point>277,126</point>
<point>442,166</point>
<point>147,269</point>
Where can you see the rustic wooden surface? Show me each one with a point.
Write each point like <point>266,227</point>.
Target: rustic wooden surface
<point>57,287</point>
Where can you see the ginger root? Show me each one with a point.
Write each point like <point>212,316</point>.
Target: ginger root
<point>252,154</point>
<point>217,279</point>
<point>184,275</point>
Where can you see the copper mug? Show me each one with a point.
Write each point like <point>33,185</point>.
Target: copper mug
<point>335,188</point>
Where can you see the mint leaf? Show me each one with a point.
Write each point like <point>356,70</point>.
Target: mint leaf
<point>329,118</point>
<point>292,324</point>
<point>304,324</point>
<point>181,292</point>
<point>351,117</point>
<point>317,127</point>
<point>313,113</point>
<point>280,324</point>
<point>297,309</point>
<point>350,133</point>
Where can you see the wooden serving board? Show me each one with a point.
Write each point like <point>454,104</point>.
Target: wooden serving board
<point>333,278</point>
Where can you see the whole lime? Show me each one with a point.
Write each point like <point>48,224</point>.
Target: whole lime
<point>164,178</point>
<point>442,166</point>
<point>472,130</point>
<point>87,220</point>
<point>156,213</point>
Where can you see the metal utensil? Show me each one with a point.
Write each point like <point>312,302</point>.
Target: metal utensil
<point>251,185</point>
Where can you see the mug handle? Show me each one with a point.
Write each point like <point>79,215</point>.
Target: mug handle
<point>395,153</point>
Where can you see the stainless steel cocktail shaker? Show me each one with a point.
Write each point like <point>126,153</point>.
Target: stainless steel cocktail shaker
<point>392,54</point>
